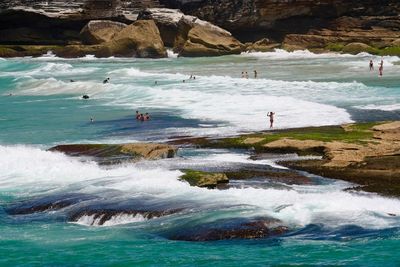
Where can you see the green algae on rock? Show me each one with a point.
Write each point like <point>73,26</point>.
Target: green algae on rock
<point>204,179</point>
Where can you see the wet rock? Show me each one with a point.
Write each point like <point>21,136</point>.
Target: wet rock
<point>116,153</point>
<point>282,176</point>
<point>100,217</point>
<point>227,229</point>
<point>47,203</point>
<point>204,179</point>
<point>380,174</point>
<point>100,31</point>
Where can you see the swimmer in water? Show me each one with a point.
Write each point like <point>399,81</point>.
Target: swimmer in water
<point>381,68</point>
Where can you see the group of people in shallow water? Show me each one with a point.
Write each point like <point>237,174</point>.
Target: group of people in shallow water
<point>371,67</point>
<point>141,117</point>
<point>245,74</point>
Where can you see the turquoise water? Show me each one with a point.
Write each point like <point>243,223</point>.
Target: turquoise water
<point>40,107</point>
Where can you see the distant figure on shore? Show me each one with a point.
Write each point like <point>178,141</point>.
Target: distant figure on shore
<point>106,80</point>
<point>371,65</point>
<point>85,97</point>
<point>255,74</point>
<point>271,118</point>
<point>381,68</point>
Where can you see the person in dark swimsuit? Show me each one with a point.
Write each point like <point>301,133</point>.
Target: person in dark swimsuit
<point>371,65</point>
<point>381,68</point>
<point>271,118</point>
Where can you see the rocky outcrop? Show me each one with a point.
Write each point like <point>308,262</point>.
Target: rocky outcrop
<point>140,39</point>
<point>100,31</point>
<point>167,21</point>
<point>204,179</point>
<point>114,153</point>
<point>190,36</point>
<point>204,41</point>
<point>365,153</point>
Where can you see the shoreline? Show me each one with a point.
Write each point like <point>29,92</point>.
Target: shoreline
<point>36,51</point>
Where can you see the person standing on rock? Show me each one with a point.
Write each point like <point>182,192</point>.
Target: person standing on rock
<point>371,65</point>
<point>271,118</point>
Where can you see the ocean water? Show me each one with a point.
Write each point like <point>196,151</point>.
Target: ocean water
<point>40,107</point>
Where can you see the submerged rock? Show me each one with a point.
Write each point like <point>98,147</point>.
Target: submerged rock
<point>100,31</point>
<point>226,229</point>
<point>47,203</point>
<point>137,151</point>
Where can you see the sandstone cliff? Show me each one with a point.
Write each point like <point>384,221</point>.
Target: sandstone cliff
<point>295,23</point>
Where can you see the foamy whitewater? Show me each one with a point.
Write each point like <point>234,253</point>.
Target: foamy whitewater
<point>61,210</point>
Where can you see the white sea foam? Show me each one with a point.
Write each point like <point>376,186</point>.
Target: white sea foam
<point>92,220</point>
<point>30,171</point>
<point>389,107</point>
<point>280,54</point>
<point>171,54</point>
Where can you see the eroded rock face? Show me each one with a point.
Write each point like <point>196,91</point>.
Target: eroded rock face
<point>140,39</point>
<point>190,36</point>
<point>205,41</point>
<point>115,153</point>
<point>167,21</point>
<point>100,31</point>
<point>252,17</point>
